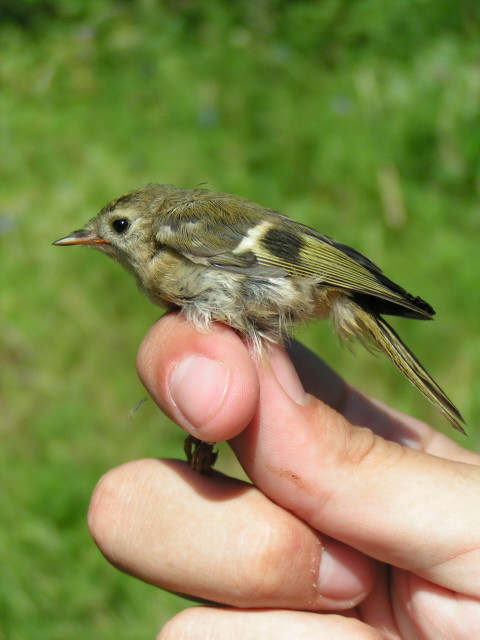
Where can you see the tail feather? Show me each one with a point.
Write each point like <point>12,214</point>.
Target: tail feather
<point>380,335</point>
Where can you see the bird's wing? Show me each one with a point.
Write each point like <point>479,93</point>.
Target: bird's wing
<point>211,230</point>
<point>249,239</point>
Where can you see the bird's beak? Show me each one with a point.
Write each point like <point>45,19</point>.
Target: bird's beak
<point>82,236</point>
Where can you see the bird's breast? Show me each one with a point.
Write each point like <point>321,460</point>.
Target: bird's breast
<point>245,302</point>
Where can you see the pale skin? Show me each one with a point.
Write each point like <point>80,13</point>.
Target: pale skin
<point>369,531</point>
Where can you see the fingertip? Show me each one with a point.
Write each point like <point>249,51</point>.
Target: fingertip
<point>206,382</point>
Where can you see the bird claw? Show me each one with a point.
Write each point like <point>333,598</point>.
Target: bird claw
<point>200,455</point>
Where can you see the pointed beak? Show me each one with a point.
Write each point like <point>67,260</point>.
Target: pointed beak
<point>82,236</point>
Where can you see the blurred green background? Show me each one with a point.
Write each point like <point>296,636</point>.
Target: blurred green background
<point>361,119</point>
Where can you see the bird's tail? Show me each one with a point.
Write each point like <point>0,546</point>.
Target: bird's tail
<point>377,333</point>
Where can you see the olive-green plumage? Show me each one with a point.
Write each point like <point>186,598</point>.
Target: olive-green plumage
<point>219,257</point>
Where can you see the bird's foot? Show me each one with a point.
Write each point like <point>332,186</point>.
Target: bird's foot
<point>200,455</point>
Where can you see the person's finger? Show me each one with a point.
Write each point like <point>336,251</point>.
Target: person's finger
<point>206,382</point>
<point>407,508</point>
<point>221,540</point>
<point>325,384</point>
<point>426,610</point>
<point>412,510</point>
<point>217,624</point>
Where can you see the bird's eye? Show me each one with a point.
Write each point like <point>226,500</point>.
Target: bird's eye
<point>120,225</point>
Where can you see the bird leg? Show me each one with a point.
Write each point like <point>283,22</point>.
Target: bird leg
<point>200,455</point>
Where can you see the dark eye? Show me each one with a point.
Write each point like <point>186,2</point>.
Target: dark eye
<point>120,225</point>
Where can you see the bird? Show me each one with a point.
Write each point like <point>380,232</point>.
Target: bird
<point>222,258</point>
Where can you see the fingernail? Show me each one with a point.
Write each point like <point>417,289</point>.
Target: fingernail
<point>335,579</point>
<point>197,387</point>
<point>287,376</point>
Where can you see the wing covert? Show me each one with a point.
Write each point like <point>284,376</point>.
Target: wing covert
<point>216,230</point>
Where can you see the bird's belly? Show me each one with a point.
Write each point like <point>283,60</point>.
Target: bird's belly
<point>256,306</point>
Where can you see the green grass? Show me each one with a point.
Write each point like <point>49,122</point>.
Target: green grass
<point>358,119</point>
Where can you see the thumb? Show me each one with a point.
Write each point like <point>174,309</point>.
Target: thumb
<point>402,506</point>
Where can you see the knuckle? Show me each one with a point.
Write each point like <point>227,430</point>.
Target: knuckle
<point>266,560</point>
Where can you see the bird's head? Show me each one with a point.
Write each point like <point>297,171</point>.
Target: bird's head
<point>123,229</point>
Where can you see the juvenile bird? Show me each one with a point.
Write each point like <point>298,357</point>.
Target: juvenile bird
<point>219,257</point>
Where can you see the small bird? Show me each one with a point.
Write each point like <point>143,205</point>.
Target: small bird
<point>221,258</point>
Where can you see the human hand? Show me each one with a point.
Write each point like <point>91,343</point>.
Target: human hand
<point>397,504</point>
